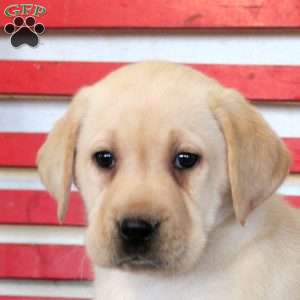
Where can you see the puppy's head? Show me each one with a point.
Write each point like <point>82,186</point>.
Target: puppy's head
<point>161,155</point>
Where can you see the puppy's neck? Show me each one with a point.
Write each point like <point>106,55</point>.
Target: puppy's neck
<point>229,237</point>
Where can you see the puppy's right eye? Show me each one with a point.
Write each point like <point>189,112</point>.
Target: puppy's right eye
<point>105,159</point>
<point>185,160</point>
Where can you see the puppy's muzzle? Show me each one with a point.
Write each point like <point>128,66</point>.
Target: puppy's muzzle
<point>137,234</point>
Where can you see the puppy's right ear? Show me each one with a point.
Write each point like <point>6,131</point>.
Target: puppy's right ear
<point>55,158</point>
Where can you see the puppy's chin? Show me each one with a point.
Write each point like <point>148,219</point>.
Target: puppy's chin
<point>183,261</point>
<point>138,263</point>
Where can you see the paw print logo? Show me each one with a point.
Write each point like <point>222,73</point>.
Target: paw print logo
<point>24,31</point>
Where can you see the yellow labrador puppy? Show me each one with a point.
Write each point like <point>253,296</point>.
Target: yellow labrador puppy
<point>178,176</point>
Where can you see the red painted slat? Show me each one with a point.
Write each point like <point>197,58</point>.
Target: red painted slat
<point>37,207</point>
<point>259,83</point>
<point>294,147</point>
<point>44,262</point>
<point>293,201</point>
<point>19,149</point>
<point>167,14</point>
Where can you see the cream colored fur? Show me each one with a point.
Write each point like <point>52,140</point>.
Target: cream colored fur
<point>224,234</point>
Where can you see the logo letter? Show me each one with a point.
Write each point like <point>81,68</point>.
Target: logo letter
<point>26,8</point>
<point>9,12</point>
<point>39,10</point>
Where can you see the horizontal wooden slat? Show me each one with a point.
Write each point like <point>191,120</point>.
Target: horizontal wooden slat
<point>37,207</point>
<point>293,201</point>
<point>168,14</point>
<point>259,83</point>
<point>19,149</point>
<point>50,78</point>
<point>46,288</point>
<point>294,147</point>
<point>37,298</point>
<point>44,262</point>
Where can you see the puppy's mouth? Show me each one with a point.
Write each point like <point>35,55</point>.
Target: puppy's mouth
<point>138,262</point>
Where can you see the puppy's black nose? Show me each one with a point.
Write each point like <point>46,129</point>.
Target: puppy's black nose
<point>134,230</point>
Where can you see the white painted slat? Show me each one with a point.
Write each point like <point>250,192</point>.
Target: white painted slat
<point>56,235</point>
<point>19,178</point>
<point>30,116</point>
<point>284,119</point>
<point>27,179</point>
<point>291,186</point>
<point>43,288</point>
<point>230,47</point>
<point>39,116</point>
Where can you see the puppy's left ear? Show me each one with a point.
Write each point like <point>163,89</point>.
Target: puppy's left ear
<point>258,161</point>
<point>55,158</point>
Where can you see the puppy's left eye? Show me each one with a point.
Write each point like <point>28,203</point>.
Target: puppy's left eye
<point>105,159</point>
<point>185,160</point>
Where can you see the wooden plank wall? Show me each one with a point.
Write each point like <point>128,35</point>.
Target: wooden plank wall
<point>34,92</point>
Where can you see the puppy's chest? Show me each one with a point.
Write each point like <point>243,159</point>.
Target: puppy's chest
<point>128,287</point>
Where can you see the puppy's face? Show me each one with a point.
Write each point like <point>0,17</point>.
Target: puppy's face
<point>152,166</point>
<point>153,199</point>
